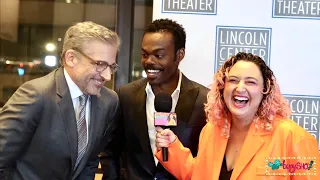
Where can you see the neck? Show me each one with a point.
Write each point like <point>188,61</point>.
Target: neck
<point>240,125</point>
<point>167,87</point>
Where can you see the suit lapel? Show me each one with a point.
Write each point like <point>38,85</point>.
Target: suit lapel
<point>140,117</point>
<point>95,121</point>
<point>67,113</point>
<point>187,97</point>
<point>219,150</point>
<point>250,147</point>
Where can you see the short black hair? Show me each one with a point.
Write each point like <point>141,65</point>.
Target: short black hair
<point>178,32</point>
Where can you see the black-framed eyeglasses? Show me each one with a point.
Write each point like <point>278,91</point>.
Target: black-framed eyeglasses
<point>100,65</point>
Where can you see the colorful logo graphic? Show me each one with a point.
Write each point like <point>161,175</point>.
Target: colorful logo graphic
<point>291,166</point>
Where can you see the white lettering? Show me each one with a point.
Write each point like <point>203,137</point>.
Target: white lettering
<point>233,37</point>
<point>263,38</point>
<point>301,9</point>
<point>279,9</point>
<point>305,106</point>
<point>182,4</point>
<point>295,7</point>
<point>262,53</point>
<point>314,122</point>
<point>221,38</point>
<point>208,6</point>
<point>248,38</point>
<point>190,5</point>
<point>286,7</point>
<point>175,2</point>
<point>221,52</point>
<point>202,3</point>
<point>240,38</point>
<point>234,50</point>
<point>305,122</point>
<point>298,119</point>
<point>307,7</point>
<point>313,7</point>
<point>315,107</point>
<point>294,3</point>
<point>300,106</point>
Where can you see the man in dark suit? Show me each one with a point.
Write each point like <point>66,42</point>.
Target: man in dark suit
<point>163,48</point>
<point>51,128</point>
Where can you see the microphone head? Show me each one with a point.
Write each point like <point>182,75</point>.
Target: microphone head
<point>163,102</point>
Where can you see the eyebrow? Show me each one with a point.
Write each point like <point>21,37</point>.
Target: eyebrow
<point>232,76</point>
<point>155,50</point>
<point>87,56</point>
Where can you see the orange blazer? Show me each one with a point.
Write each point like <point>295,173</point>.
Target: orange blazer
<point>257,156</point>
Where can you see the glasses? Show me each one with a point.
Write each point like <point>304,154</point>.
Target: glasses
<point>100,65</point>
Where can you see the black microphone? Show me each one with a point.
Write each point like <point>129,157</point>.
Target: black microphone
<point>163,117</point>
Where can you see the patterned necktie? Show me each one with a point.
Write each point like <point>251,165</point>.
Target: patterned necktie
<point>82,129</point>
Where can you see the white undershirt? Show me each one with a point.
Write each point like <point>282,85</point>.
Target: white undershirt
<point>150,112</point>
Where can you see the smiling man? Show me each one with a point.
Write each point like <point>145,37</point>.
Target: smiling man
<point>163,48</point>
<point>55,126</point>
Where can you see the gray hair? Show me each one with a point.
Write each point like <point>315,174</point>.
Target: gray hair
<point>82,32</point>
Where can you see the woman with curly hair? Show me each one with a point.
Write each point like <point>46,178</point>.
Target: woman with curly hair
<point>248,134</point>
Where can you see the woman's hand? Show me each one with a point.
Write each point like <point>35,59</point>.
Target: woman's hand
<point>164,137</point>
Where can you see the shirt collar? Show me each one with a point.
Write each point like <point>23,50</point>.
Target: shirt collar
<point>75,91</point>
<point>176,91</point>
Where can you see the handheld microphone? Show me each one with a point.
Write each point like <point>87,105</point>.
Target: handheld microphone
<point>163,117</point>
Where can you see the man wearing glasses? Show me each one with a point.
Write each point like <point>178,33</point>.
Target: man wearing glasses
<point>54,127</point>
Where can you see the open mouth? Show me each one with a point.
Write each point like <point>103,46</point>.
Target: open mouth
<point>240,100</point>
<point>152,73</point>
<point>98,82</point>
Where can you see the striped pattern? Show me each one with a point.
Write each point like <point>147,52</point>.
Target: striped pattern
<point>82,129</point>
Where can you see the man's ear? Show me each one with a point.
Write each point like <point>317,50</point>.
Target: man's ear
<point>180,54</point>
<point>69,58</point>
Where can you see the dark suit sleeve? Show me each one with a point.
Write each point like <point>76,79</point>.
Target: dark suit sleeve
<point>111,155</point>
<point>18,121</point>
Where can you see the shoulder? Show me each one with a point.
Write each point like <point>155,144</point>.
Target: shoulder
<point>193,84</point>
<point>109,94</point>
<point>201,87</point>
<point>202,92</point>
<point>132,86</point>
<point>209,130</point>
<point>288,129</point>
<point>42,84</point>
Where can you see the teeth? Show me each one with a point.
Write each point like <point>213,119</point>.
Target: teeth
<point>153,71</point>
<point>240,98</point>
<point>99,82</point>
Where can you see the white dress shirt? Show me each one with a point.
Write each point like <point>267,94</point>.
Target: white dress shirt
<point>150,110</point>
<point>75,92</point>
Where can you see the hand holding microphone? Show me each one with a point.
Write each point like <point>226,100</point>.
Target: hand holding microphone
<point>163,118</point>
<point>164,137</point>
